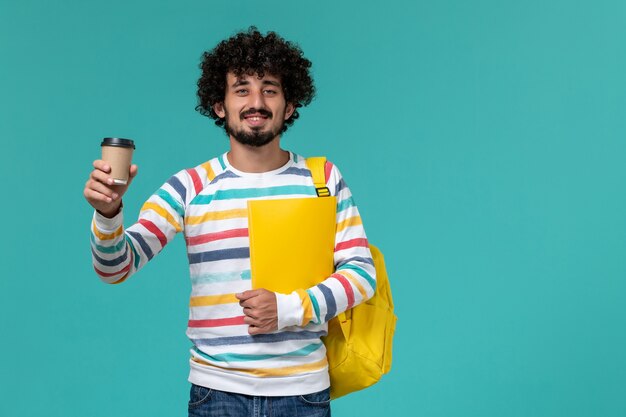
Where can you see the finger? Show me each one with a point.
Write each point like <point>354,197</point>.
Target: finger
<point>102,165</point>
<point>101,176</point>
<point>101,188</point>
<point>253,330</point>
<point>250,321</point>
<point>94,187</point>
<point>133,170</point>
<point>248,311</point>
<point>131,174</point>
<point>96,197</point>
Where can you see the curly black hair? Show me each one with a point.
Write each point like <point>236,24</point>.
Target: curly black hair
<point>250,53</point>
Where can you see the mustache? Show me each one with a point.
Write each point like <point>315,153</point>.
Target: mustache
<point>262,112</point>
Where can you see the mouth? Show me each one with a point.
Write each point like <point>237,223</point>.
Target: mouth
<point>255,119</point>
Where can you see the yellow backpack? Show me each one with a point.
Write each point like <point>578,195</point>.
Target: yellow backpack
<point>359,341</point>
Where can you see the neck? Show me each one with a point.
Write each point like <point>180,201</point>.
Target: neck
<point>253,159</point>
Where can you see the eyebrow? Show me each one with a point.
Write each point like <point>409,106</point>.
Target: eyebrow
<point>239,82</point>
<point>271,82</point>
<point>243,81</point>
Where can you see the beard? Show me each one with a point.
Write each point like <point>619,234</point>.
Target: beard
<point>255,137</point>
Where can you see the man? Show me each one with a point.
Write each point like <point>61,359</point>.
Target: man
<point>253,350</point>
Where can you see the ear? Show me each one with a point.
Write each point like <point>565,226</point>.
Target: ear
<point>218,108</point>
<point>289,110</point>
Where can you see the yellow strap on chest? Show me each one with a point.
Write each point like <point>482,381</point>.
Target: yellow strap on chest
<point>317,166</point>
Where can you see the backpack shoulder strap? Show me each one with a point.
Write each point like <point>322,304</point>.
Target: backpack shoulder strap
<point>317,165</point>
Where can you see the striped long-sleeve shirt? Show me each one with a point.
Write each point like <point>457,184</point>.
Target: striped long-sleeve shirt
<point>208,204</point>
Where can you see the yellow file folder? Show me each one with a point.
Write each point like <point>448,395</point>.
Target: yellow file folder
<point>291,242</point>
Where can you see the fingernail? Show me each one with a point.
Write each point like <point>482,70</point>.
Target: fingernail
<point>110,181</point>
<point>114,196</point>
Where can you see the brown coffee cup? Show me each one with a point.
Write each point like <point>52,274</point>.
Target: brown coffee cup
<point>118,153</point>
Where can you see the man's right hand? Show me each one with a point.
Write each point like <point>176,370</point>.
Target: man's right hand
<point>100,191</point>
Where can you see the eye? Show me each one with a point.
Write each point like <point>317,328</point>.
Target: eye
<point>241,91</point>
<point>270,92</point>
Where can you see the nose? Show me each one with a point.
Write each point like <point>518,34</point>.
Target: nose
<point>257,100</point>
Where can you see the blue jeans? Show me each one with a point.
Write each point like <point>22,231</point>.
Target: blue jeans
<point>205,402</point>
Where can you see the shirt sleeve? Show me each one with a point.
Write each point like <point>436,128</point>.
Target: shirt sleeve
<point>354,279</point>
<point>118,253</point>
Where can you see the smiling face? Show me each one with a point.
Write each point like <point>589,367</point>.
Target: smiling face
<point>254,108</point>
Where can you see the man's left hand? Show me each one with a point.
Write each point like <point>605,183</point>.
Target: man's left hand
<point>260,310</point>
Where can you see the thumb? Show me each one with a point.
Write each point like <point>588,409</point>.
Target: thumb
<point>132,173</point>
<point>242,296</point>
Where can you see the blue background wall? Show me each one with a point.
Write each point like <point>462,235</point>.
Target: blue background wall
<point>484,142</point>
